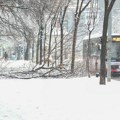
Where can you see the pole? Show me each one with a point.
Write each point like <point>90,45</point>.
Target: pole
<point>109,47</point>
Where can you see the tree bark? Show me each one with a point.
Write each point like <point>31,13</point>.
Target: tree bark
<point>37,48</point>
<point>108,7</point>
<point>88,55</point>
<point>79,10</point>
<point>27,52</point>
<point>41,41</point>
<point>61,44</point>
<point>73,48</point>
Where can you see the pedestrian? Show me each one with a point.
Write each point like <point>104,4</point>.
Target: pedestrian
<point>5,56</point>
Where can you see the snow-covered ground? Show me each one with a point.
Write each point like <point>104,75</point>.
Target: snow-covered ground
<point>59,99</point>
<point>15,65</point>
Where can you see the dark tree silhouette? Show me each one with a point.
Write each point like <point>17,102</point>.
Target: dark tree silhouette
<point>108,7</point>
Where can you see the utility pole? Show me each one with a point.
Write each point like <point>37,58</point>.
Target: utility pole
<point>109,45</point>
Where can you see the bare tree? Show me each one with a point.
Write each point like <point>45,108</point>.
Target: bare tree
<point>38,9</point>
<point>80,7</point>
<point>108,6</point>
<point>62,17</point>
<point>45,12</point>
<point>93,10</point>
<point>18,28</point>
<point>52,26</point>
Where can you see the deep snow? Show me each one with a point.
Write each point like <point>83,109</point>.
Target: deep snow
<point>59,99</point>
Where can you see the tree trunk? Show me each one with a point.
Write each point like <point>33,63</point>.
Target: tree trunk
<point>49,49</point>
<point>61,45</point>
<point>41,41</point>
<point>88,55</point>
<point>108,7</point>
<point>27,51</point>
<point>33,52</point>
<point>55,51</point>
<point>45,49</point>
<point>73,48</point>
<point>37,48</point>
<point>103,50</point>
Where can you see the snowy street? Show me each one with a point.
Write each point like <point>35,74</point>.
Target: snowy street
<point>59,99</point>
<point>47,50</point>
